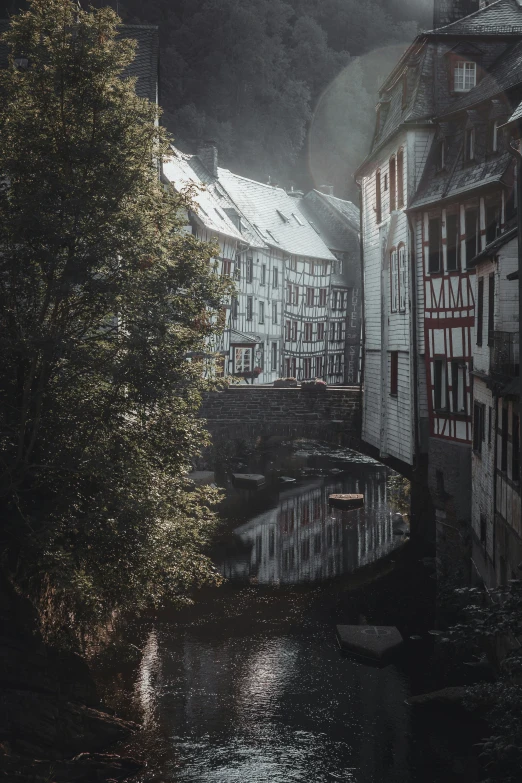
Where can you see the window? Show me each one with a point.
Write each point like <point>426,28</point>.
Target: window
<point>400,179</point>
<point>402,278</point>
<point>289,293</point>
<point>495,136</point>
<point>288,330</point>
<point>480,309</point>
<point>263,274</point>
<point>323,297</point>
<point>274,312</point>
<point>242,359</point>
<point>490,424</point>
<point>274,357</point>
<point>504,436</point>
<point>310,297</point>
<point>434,245</point>
<point>319,366</point>
<point>394,272</point>
<point>338,364</point>
<point>393,185</point>
<point>458,387</point>
<point>275,277</point>
<point>261,312</point>
<point>385,183</point>
<point>294,331</point>
<point>479,433</point>
<point>307,368</point>
<point>320,332</point>
<point>492,222</point>
<point>378,197</point>
<point>226,267</point>
<point>491,309</point>
<point>295,294</point>
<point>452,242</point>
<point>250,308</point>
<point>308,332</point>
<point>439,385</point>
<point>234,308</point>
<point>394,373</point>
<point>332,332</point>
<point>515,453</point>
<point>340,331</point>
<point>464,76</point>
<point>469,144</point>
<point>249,269</point>
<point>335,299</point>
<point>471,234</point>
<point>330,364</point>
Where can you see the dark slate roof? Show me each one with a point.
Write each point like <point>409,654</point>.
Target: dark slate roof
<point>458,178</point>
<point>493,247</point>
<point>146,62</point>
<point>346,209</point>
<point>502,17</point>
<point>516,116</point>
<point>504,75</point>
<point>145,65</point>
<point>417,62</point>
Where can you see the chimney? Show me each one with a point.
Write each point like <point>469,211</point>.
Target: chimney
<point>208,155</point>
<point>448,11</point>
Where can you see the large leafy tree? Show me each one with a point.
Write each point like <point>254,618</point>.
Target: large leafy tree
<point>101,298</point>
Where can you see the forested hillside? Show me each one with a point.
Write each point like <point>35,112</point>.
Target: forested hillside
<point>250,75</point>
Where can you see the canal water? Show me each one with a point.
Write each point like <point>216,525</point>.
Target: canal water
<point>248,685</point>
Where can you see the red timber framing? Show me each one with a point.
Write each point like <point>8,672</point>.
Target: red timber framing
<point>449,315</point>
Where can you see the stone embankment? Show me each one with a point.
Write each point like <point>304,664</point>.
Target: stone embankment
<point>53,726</point>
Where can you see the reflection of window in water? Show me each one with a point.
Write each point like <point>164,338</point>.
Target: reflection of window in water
<point>330,565</point>
<point>305,514</point>
<point>329,537</point>
<point>317,543</point>
<point>336,535</point>
<point>259,547</point>
<point>292,558</point>
<point>285,560</point>
<point>317,509</point>
<point>305,550</point>
<point>271,542</point>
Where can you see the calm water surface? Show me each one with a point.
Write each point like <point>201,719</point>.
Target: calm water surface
<point>248,685</point>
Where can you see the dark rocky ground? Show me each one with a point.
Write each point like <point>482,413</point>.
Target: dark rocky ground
<point>53,726</point>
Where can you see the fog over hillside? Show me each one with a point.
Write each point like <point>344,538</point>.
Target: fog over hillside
<point>286,88</point>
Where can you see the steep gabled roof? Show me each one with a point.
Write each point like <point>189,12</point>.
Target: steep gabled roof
<point>180,171</point>
<point>346,209</point>
<point>276,215</point>
<point>493,247</point>
<point>503,17</point>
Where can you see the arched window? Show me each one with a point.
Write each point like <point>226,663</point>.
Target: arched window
<point>400,179</point>
<point>402,278</point>
<point>393,184</point>
<point>394,281</point>
<point>378,196</point>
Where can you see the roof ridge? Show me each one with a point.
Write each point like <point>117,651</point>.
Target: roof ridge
<point>254,181</point>
<point>458,21</point>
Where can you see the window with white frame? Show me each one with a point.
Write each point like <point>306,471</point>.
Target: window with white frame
<point>263,274</point>
<point>323,297</point>
<point>320,332</point>
<point>274,357</point>
<point>250,269</point>
<point>249,308</point>
<point>402,278</point>
<point>261,312</point>
<point>394,272</point>
<point>294,331</point>
<point>440,401</point>
<point>275,277</point>
<point>243,359</point>
<point>307,368</point>
<point>465,76</point>
<point>308,332</point>
<point>274,312</point>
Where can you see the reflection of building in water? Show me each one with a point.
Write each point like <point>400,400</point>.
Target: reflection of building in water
<point>303,540</point>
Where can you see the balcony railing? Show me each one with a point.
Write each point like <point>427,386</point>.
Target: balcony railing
<point>505,354</point>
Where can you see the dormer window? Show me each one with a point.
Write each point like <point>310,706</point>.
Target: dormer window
<point>469,145</point>
<point>464,76</point>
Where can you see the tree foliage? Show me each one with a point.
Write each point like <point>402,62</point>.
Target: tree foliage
<point>101,298</point>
